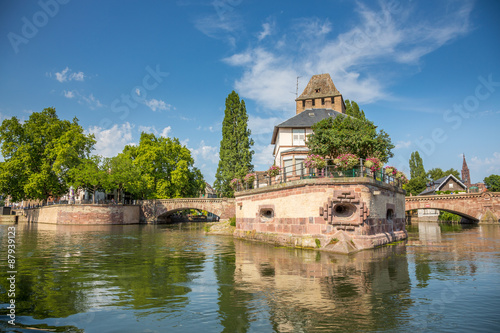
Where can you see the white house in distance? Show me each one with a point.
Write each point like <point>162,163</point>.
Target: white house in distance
<point>319,100</point>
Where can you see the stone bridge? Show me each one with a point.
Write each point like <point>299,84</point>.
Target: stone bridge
<point>482,207</point>
<point>152,210</point>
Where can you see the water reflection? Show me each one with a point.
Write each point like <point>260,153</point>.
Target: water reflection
<point>308,291</point>
<point>147,278</point>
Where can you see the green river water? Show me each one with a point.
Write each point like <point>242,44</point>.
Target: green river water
<point>174,278</point>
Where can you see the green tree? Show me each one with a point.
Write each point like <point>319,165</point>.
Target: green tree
<point>492,183</point>
<point>235,147</point>
<point>418,180</point>
<point>436,173</point>
<point>90,175</point>
<point>165,169</point>
<point>352,109</point>
<point>332,137</point>
<point>416,166</point>
<point>39,154</point>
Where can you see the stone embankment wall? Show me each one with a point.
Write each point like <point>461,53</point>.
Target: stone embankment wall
<point>339,215</point>
<point>84,214</point>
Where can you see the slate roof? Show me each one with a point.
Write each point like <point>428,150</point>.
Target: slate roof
<point>436,185</point>
<point>305,119</point>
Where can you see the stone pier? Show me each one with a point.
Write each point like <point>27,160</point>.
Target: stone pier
<point>340,215</point>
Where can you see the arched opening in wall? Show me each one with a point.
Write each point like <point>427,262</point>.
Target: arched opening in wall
<point>344,210</point>
<point>266,214</point>
<point>389,215</point>
<point>187,215</point>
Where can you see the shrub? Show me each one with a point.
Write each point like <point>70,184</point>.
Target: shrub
<point>273,171</point>
<point>232,221</point>
<point>315,161</point>
<point>346,161</point>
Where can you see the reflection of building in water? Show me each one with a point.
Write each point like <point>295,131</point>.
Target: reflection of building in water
<point>429,232</point>
<point>305,288</point>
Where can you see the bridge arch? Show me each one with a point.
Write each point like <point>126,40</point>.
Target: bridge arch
<point>151,210</point>
<point>473,206</point>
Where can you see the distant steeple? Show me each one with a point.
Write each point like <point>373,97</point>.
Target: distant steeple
<point>320,93</point>
<point>465,173</point>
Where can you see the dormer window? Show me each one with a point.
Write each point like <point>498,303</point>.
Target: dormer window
<point>318,90</point>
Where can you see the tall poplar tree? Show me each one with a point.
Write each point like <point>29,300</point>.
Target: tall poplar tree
<point>235,156</point>
<point>418,176</point>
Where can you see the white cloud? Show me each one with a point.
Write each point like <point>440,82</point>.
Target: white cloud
<point>110,142</point>
<point>489,164</point>
<point>62,76</point>
<point>266,31</point>
<point>155,104</point>
<point>91,101</point>
<point>205,153</point>
<point>77,76</point>
<point>402,144</point>
<point>152,129</point>
<point>354,58</point>
<point>67,75</point>
<point>69,94</point>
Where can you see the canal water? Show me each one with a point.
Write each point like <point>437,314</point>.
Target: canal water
<point>174,278</point>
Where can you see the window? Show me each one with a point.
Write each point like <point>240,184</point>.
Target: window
<point>322,101</point>
<point>314,102</point>
<point>299,137</point>
<point>451,185</point>
<point>299,167</point>
<point>304,103</point>
<point>288,167</point>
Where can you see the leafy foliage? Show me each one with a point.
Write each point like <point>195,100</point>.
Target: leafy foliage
<point>39,155</point>
<point>235,153</point>
<point>416,166</point>
<point>155,169</point>
<point>492,183</point>
<point>415,186</point>
<point>343,135</point>
<point>352,109</point>
<point>90,175</point>
<point>436,173</point>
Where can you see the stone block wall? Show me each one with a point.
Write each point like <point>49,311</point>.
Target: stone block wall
<point>84,214</point>
<point>299,212</point>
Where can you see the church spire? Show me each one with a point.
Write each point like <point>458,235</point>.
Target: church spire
<point>465,173</point>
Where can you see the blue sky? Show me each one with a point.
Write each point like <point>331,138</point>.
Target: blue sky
<point>427,72</point>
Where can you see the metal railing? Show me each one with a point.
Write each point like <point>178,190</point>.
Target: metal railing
<point>298,171</point>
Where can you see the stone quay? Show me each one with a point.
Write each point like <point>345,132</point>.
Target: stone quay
<point>341,215</point>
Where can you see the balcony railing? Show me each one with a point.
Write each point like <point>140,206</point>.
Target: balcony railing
<point>299,171</point>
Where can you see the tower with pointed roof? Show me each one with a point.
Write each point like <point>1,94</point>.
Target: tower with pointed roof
<point>320,93</point>
<point>319,100</point>
<point>465,173</point>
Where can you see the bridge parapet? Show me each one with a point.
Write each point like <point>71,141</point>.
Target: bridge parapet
<point>225,208</point>
<point>484,207</point>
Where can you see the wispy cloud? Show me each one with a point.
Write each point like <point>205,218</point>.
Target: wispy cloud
<point>384,36</point>
<point>90,99</point>
<point>157,104</point>
<point>402,144</point>
<point>490,164</point>
<point>69,94</point>
<point>152,129</point>
<point>68,75</point>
